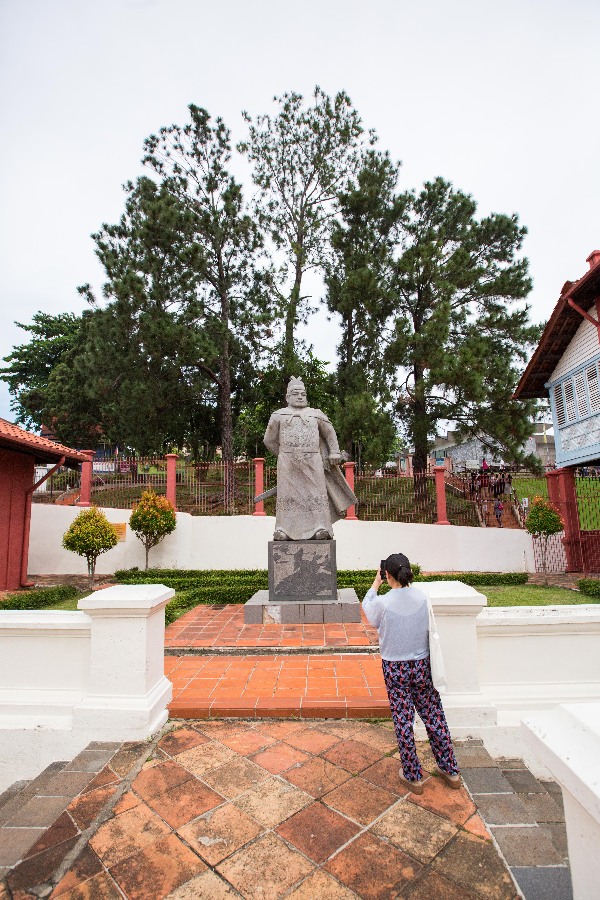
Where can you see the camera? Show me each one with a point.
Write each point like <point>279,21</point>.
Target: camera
<point>382,569</point>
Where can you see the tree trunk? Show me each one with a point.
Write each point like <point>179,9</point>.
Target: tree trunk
<point>420,436</point>
<point>291,319</point>
<point>225,411</point>
<point>91,569</point>
<point>147,548</point>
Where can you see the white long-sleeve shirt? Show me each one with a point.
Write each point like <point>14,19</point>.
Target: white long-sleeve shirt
<point>402,619</point>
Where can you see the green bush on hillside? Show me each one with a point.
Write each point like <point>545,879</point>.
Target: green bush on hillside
<point>589,586</point>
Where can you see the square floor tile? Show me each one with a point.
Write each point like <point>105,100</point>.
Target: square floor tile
<point>476,866</point>
<point>273,801</point>
<point>265,869</point>
<point>311,740</point>
<point>354,756</point>
<point>544,883</point>
<point>503,809</point>
<point>523,782</point>
<point>386,774</point>
<point>220,833</point>
<point>279,757</point>
<point>164,864</point>
<point>317,776</point>
<point>321,886</point>
<point>208,756</point>
<point>318,831</point>
<point>160,778</point>
<point>86,807</point>
<point>414,830</point>
<point>181,739</point>
<point>526,846</point>
<point>184,802</point>
<point>444,801</point>
<point>127,834</point>
<point>431,886</point>
<point>207,885</point>
<point>235,777</point>
<point>360,800</point>
<point>85,866</point>
<point>373,868</point>
<point>486,781</point>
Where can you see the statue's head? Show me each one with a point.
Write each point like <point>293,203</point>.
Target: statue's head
<point>296,393</point>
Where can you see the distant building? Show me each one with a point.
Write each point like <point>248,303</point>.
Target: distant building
<point>470,454</point>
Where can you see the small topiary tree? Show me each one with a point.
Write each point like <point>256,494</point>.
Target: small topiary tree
<point>152,519</point>
<point>89,535</point>
<point>543,521</point>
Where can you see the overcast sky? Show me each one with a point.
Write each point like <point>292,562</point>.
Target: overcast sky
<point>501,99</point>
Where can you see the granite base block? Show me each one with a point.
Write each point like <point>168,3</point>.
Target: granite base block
<point>259,610</point>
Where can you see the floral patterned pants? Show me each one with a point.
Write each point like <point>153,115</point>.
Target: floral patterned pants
<point>410,687</point>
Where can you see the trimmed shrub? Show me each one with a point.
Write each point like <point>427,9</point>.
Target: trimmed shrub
<point>152,520</point>
<point>89,535</point>
<point>589,586</point>
<point>42,598</point>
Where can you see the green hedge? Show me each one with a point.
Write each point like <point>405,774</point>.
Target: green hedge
<point>219,586</point>
<point>589,586</point>
<point>42,598</point>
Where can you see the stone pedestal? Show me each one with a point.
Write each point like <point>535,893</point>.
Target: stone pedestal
<point>302,571</point>
<point>302,587</point>
<point>259,610</point>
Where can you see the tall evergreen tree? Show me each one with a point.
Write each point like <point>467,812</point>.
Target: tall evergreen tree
<point>192,160</point>
<point>29,365</point>
<point>301,157</point>
<point>140,364</point>
<point>358,281</point>
<point>458,330</point>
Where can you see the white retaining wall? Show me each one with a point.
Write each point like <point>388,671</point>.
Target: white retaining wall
<point>240,542</point>
<point>71,677</point>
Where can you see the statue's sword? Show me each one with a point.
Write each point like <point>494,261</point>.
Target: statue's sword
<point>266,495</point>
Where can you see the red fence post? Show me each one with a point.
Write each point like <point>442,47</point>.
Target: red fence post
<point>87,468</point>
<point>349,473</point>
<point>567,504</point>
<point>171,479</point>
<point>440,495</point>
<point>259,485</point>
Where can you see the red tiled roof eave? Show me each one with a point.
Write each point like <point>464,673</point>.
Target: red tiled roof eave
<point>14,438</point>
<point>557,335</point>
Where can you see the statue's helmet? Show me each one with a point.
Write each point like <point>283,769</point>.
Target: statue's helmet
<point>294,383</point>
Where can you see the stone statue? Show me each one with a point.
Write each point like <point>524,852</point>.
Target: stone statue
<point>312,492</point>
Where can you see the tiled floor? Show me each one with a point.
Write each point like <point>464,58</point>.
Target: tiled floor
<point>264,809</point>
<point>337,685</point>
<point>206,626</point>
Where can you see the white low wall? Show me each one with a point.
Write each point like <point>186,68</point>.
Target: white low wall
<point>504,663</point>
<point>567,740</point>
<point>68,678</point>
<point>240,542</point>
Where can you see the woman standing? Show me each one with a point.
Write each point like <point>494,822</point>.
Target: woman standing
<point>402,620</point>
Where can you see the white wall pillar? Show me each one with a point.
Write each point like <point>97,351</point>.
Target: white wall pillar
<point>567,741</point>
<point>456,607</point>
<point>128,691</point>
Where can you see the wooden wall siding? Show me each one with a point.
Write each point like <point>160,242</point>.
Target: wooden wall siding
<point>582,347</point>
<point>16,476</point>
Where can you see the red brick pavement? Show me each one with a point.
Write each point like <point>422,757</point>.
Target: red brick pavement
<point>207,627</point>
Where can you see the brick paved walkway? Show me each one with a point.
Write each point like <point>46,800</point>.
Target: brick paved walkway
<point>206,626</point>
<point>336,685</point>
<point>259,810</point>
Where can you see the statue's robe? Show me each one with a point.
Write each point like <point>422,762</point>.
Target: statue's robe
<point>311,494</point>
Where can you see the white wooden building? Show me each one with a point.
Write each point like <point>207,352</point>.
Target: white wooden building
<point>566,367</point>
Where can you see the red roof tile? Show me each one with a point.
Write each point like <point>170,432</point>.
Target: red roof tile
<point>14,438</point>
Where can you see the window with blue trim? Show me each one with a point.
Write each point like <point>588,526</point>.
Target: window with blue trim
<point>577,396</point>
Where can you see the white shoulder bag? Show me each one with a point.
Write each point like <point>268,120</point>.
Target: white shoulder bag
<point>436,658</point>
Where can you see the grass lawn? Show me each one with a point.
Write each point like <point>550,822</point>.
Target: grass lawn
<point>588,496</point>
<point>533,595</point>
